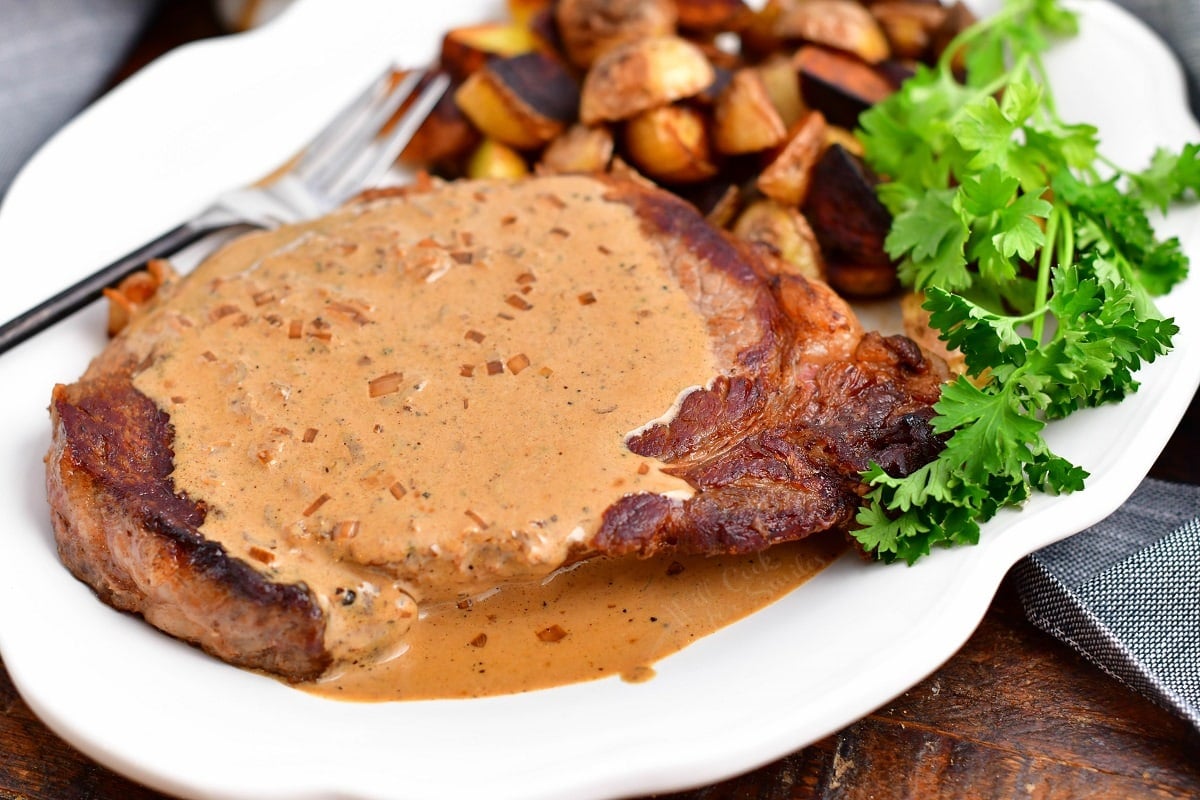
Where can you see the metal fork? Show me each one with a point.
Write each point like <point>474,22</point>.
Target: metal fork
<point>352,153</point>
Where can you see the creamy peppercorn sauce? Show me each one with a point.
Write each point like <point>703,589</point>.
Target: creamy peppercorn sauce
<point>389,408</point>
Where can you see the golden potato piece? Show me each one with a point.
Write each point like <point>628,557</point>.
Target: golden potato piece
<point>493,159</point>
<point>670,143</point>
<point>588,28</point>
<point>786,233</point>
<point>523,12</point>
<point>841,24</point>
<point>466,50</point>
<point>580,149</point>
<point>745,119</point>
<point>844,138</point>
<point>782,82</point>
<point>523,101</point>
<point>786,178</point>
<point>909,25</point>
<point>640,75</point>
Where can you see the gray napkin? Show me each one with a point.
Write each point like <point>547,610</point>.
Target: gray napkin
<point>55,57</point>
<point>1126,592</point>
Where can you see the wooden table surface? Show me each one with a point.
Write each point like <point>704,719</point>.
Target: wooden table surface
<point>1013,714</point>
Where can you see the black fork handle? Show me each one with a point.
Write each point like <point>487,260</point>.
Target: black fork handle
<point>89,289</point>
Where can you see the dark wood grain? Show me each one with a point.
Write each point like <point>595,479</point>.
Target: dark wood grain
<point>1013,714</point>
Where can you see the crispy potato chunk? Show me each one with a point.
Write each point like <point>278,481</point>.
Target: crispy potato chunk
<point>588,28</point>
<point>841,24</point>
<point>643,74</point>
<point>745,119</point>
<point>786,178</point>
<point>670,143</point>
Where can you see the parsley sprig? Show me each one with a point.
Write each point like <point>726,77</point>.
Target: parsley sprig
<point>1037,260</point>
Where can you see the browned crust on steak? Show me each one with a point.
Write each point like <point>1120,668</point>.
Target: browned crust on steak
<point>775,452</point>
<point>773,447</point>
<point>121,529</point>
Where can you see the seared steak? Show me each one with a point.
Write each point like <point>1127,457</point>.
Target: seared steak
<point>787,402</point>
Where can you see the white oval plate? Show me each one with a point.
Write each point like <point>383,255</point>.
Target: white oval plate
<point>215,114</point>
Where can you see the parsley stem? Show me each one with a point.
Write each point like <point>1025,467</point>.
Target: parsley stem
<point>1045,259</point>
<point>1011,10</point>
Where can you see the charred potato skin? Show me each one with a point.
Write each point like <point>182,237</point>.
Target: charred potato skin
<point>466,50</point>
<point>840,85</point>
<point>850,224</point>
<point>587,28</point>
<point>523,101</point>
<point>445,136</point>
<point>758,136</point>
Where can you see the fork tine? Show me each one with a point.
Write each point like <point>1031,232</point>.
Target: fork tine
<point>361,128</point>
<point>382,156</point>
<point>329,139</point>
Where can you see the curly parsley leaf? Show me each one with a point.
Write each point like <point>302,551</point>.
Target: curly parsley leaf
<point>1040,271</point>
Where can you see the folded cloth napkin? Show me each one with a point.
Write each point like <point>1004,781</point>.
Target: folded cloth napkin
<point>1126,592</point>
<point>55,57</point>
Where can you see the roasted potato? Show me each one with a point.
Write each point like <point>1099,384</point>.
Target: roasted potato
<point>465,50</point>
<point>841,24</point>
<point>580,149</point>
<point>710,16</point>
<point>523,101</point>
<point>524,12</point>
<point>621,168</point>
<point>841,86</point>
<point>587,28</point>
<point>493,159</point>
<point>909,25</point>
<point>745,119</point>
<point>670,143</point>
<point>786,178</point>
<point>640,75</point>
<point>445,135</point>
<point>744,109</point>
<point>850,224</point>
<point>786,233</point>
<point>782,82</point>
